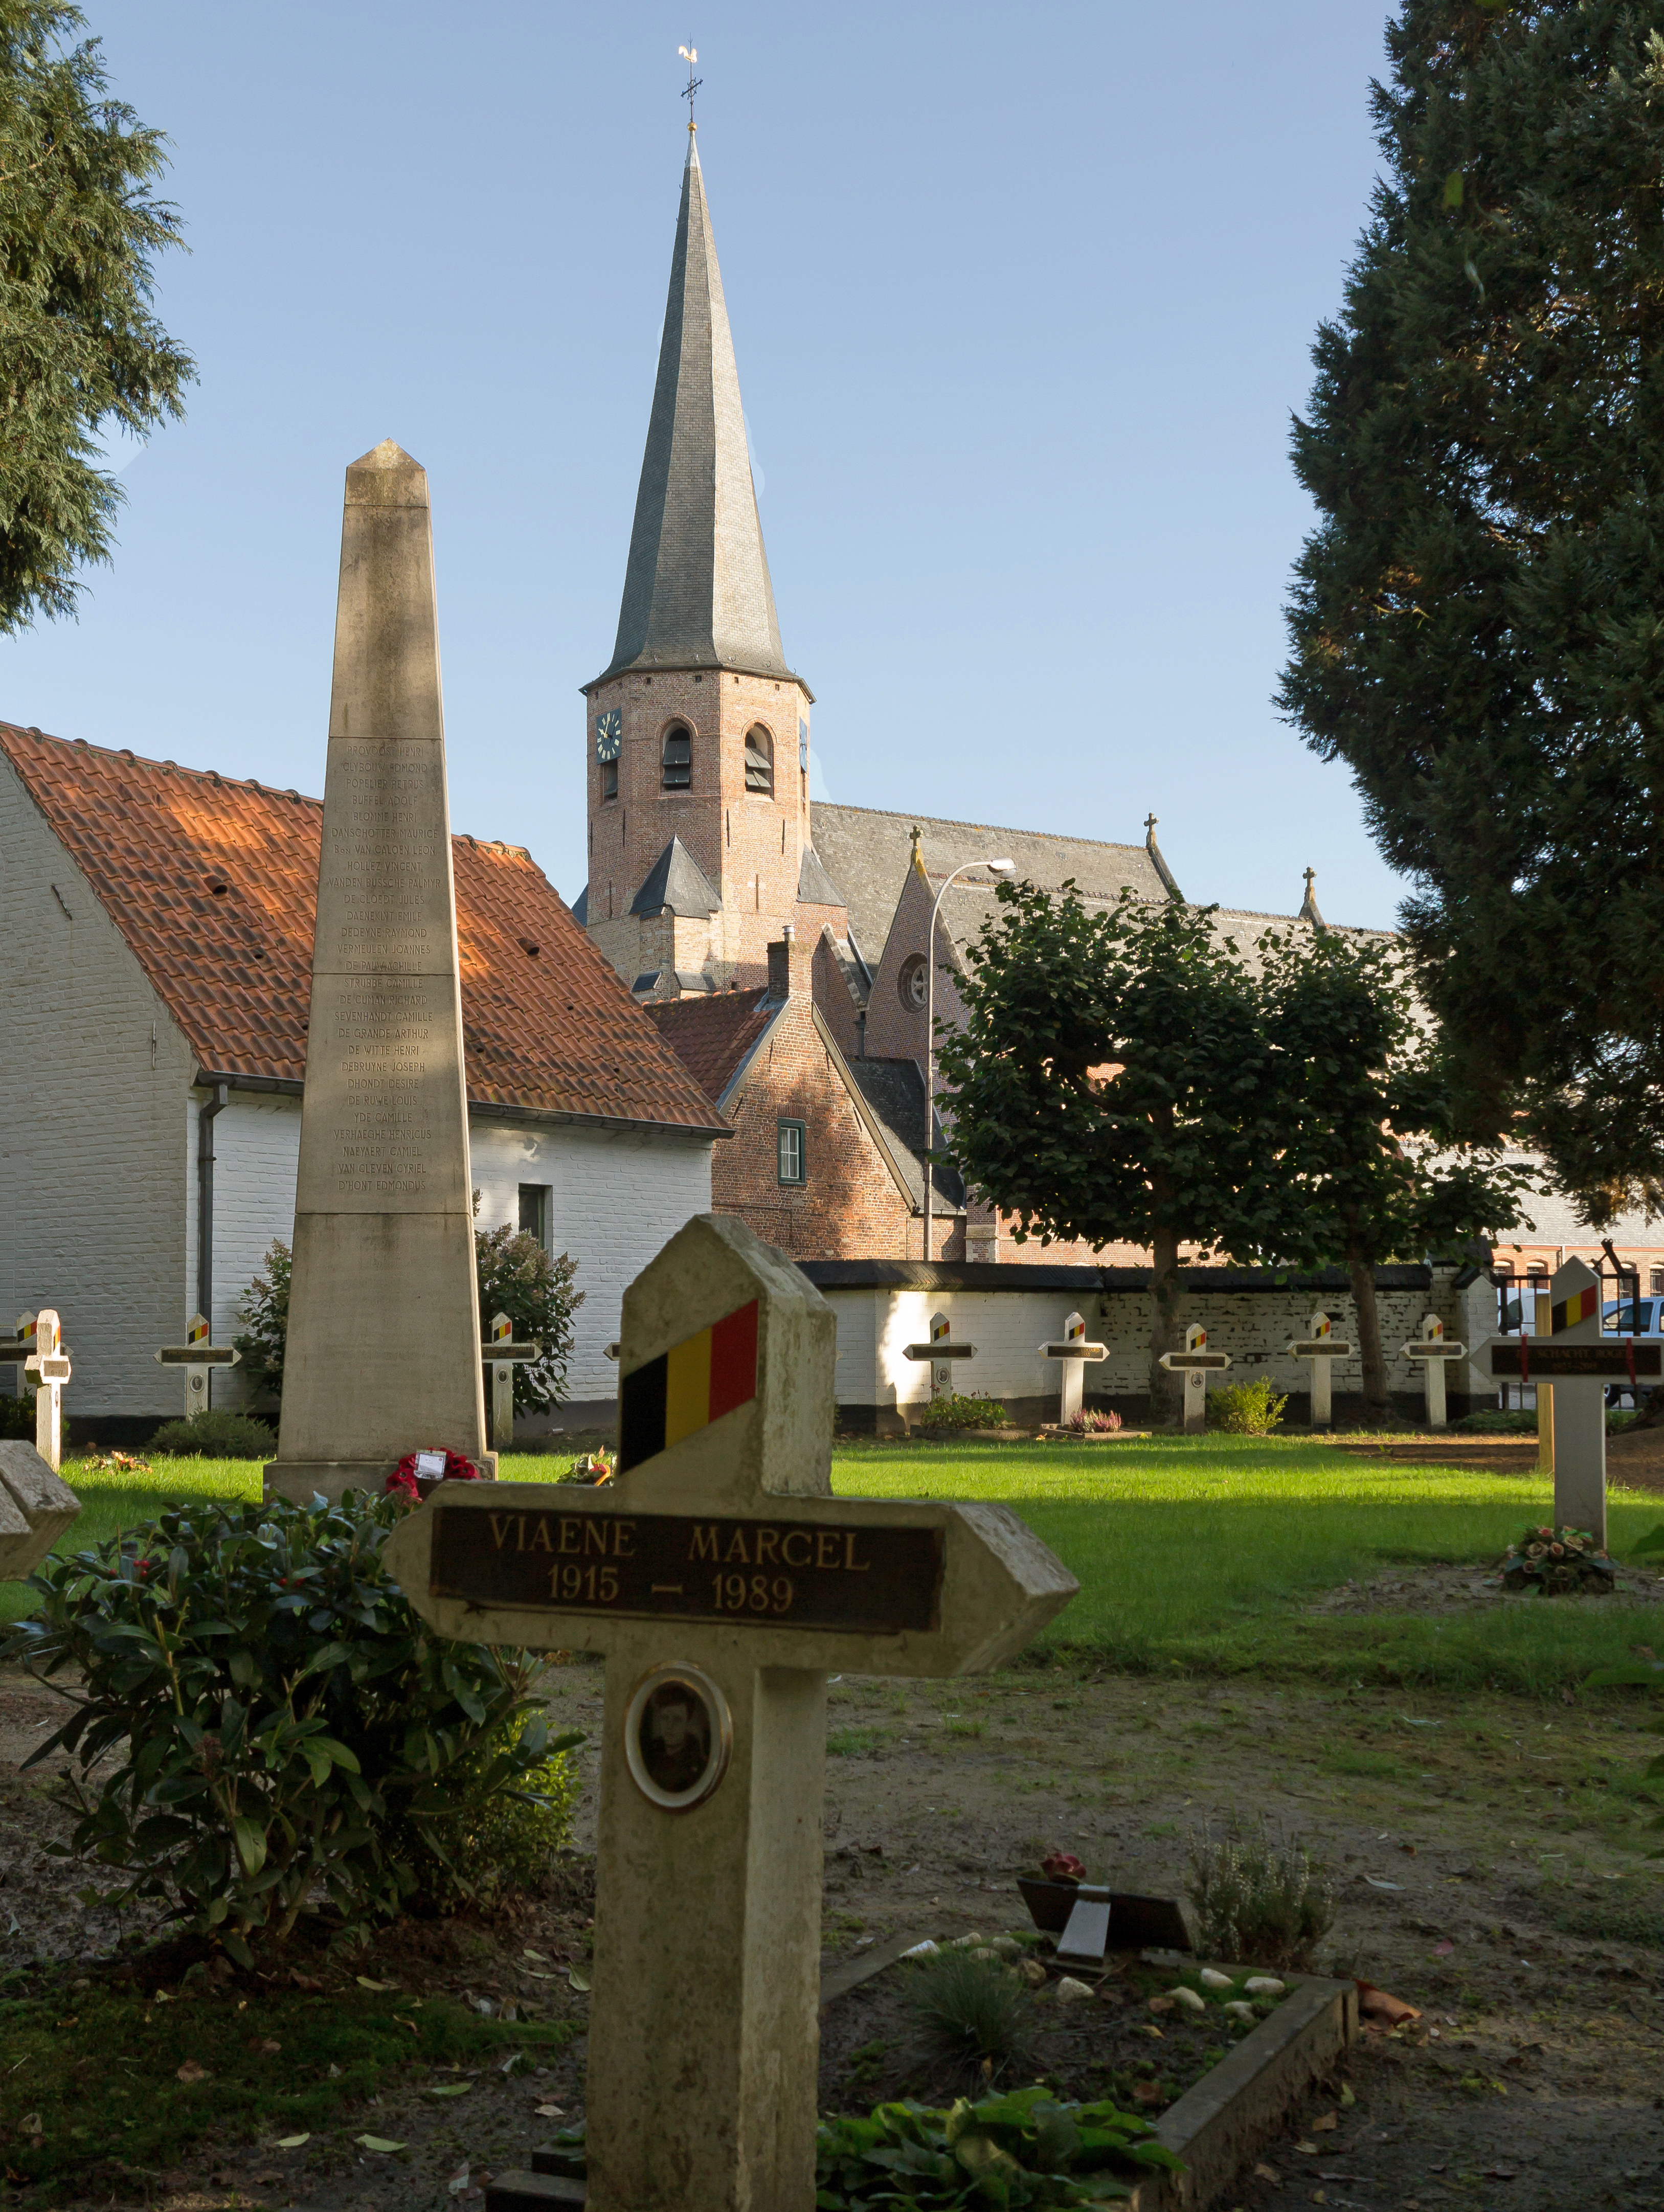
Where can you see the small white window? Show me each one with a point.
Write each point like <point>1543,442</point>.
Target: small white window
<point>793,1169</point>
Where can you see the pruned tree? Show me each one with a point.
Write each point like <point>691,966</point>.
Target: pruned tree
<point>1477,624</point>
<point>1369,1167</point>
<point>1110,1083</point>
<point>79,348</point>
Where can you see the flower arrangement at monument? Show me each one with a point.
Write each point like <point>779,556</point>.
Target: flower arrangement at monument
<point>407,1477</point>
<point>1556,1562</point>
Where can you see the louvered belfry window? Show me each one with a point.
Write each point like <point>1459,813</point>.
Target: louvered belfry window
<point>759,762</point>
<point>679,758</point>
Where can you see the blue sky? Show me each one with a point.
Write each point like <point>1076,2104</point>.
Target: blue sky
<point>1022,298</point>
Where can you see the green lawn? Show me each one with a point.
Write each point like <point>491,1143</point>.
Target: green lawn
<point>1196,1554</point>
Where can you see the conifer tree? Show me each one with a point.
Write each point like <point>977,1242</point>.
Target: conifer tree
<point>79,346</point>
<point>1478,622</point>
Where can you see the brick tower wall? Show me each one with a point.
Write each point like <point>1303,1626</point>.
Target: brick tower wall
<point>750,847</point>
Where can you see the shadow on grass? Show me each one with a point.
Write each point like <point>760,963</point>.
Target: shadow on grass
<point>98,2082</point>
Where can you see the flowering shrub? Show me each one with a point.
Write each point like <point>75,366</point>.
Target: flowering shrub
<point>287,1731</point>
<point>1261,1900</point>
<point>1555,1561</point>
<point>1091,1421</point>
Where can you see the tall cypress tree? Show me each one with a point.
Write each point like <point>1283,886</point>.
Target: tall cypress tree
<point>79,346</point>
<point>1478,622</point>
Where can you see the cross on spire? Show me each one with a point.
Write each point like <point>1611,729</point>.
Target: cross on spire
<point>690,55</point>
<point>1150,821</point>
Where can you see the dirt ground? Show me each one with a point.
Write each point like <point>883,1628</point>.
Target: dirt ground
<point>1634,1459</point>
<point>1470,1837</point>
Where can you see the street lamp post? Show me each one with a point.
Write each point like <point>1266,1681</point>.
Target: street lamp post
<point>994,868</point>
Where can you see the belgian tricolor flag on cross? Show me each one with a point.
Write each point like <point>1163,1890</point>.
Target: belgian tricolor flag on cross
<point>1581,1305</point>
<point>688,1386</point>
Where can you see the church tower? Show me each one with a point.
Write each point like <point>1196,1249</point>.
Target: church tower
<point>697,732</point>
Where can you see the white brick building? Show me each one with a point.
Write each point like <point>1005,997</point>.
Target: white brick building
<point>158,926</point>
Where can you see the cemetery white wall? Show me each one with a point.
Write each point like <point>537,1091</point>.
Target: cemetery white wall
<point>619,1195</point>
<point>1006,1327</point>
<point>95,1135</point>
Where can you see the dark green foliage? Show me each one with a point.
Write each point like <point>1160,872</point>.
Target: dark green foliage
<point>216,1434</point>
<point>1006,2153</point>
<point>534,1288</point>
<point>1111,1081</point>
<point>265,1308</point>
<point>495,1839</point>
<point>973,2008</point>
<point>17,1419</point>
<point>515,1276</point>
<point>1477,624</point>
<point>79,230</point>
<point>281,1720</point>
<point>966,1412</point>
<point>1369,1149</point>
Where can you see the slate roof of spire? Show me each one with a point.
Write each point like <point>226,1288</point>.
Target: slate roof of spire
<point>213,883</point>
<point>815,887</point>
<point>675,880</point>
<point>696,588</point>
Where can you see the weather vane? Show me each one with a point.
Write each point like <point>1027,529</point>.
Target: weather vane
<point>690,55</point>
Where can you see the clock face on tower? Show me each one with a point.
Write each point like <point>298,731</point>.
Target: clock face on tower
<point>609,734</point>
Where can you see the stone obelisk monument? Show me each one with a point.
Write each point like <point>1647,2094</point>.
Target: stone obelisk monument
<point>384,1333</point>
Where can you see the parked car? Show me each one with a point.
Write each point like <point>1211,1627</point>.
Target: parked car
<point>1637,1317</point>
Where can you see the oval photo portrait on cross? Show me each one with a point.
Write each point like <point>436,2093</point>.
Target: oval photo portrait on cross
<point>677,1737</point>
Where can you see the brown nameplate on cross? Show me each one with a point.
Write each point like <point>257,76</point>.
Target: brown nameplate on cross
<point>1548,1362</point>
<point>784,1574</point>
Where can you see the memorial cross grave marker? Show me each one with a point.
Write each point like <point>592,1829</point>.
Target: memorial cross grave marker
<point>501,1355</point>
<point>1319,1347</point>
<point>1072,1351</point>
<point>722,1581</point>
<point>1195,1362</point>
<point>198,1357</point>
<point>1431,1349</point>
<point>1580,1361</point>
<point>940,1351</point>
<point>49,1363</point>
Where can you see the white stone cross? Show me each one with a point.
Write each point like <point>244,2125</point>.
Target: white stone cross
<point>1431,1349</point>
<point>501,1352</point>
<point>1319,1347</point>
<point>198,1357</point>
<point>49,1363</point>
<point>723,1580</point>
<point>1073,1351</point>
<point>1195,1362</point>
<point>941,1350</point>
<point>1580,1360</point>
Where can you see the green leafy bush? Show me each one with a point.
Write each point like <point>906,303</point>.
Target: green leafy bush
<point>1492,1421</point>
<point>289,1737</point>
<point>17,1419</point>
<point>1009,2153</point>
<point>1246,1409</point>
<point>264,1307</point>
<point>514,1274</point>
<point>973,2008</point>
<point>1260,1903</point>
<point>508,1813</point>
<point>968,1412</point>
<point>216,1434</point>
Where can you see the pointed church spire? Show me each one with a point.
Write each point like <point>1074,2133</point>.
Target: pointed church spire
<point>697,590</point>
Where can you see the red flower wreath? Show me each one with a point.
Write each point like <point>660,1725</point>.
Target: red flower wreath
<point>401,1482</point>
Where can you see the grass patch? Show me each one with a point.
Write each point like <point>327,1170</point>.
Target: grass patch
<point>854,1742</point>
<point>1201,1554</point>
<point>95,2073</point>
<point>1195,1553</point>
<point>1617,1920</point>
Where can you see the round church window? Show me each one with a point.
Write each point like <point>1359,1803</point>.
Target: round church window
<point>912,980</point>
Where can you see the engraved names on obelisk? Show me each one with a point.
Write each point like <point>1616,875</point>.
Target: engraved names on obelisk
<point>384,1352</point>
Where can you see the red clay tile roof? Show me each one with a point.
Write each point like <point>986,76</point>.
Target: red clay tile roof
<point>712,1035</point>
<point>551,1029</point>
